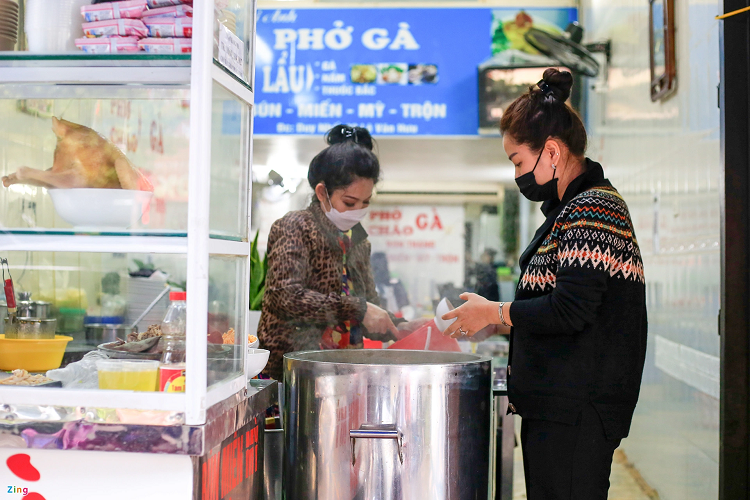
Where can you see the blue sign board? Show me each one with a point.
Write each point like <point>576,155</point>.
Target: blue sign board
<point>395,71</point>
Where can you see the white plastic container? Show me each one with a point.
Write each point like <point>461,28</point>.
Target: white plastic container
<point>127,374</point>
<point>53,26</point>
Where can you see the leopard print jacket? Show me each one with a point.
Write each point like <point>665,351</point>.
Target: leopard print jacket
<point>303,284</point>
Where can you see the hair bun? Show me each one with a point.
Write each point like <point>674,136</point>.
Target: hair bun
<point>561,82</point>
<point>345,133</point>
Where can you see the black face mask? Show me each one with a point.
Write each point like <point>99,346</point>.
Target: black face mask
<point>533,191</point>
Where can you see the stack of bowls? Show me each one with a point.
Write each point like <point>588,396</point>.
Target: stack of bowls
<point>141,292</point>
<point>228,19</point>
<point>8,24</point>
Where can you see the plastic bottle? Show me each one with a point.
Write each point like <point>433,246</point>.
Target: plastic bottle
<point>173,327</point>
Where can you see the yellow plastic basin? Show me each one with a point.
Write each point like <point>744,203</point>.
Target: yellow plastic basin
<point>33,355</point>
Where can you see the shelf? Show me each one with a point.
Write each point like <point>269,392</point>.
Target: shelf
<point>232,82</point>
<point>53,240</point>
<point>153,91</point>
<point>105,68</point>
<point>220,246</point>
<point>79,59</point>
<point>82,398</point>
<point>187,125</point>
<point>89,69</point>
<point>86,241</point>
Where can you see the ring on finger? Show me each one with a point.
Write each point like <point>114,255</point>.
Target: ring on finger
<point>462,331</point>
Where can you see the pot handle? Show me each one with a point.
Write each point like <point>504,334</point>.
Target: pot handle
<point>377,431</point>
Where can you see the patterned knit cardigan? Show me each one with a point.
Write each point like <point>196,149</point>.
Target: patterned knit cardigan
<point>593,231</point>
<point>579,315</point>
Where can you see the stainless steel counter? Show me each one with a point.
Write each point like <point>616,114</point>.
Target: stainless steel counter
<point>105,429</point>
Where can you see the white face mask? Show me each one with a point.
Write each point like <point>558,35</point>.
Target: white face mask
<point>345,220</point>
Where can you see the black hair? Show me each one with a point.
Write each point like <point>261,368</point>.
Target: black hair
<point>348,157</point>
<point>542,113</point>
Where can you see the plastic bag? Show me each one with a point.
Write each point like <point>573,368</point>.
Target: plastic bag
<point>81,374</point>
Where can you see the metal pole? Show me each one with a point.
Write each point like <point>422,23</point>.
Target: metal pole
<point>734,318</point>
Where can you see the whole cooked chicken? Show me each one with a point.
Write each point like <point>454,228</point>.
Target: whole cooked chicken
<point>83,159</point>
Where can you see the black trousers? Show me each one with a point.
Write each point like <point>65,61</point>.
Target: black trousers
<point>567,462</point>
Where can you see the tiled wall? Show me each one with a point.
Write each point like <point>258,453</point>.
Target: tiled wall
<point>664,158</point>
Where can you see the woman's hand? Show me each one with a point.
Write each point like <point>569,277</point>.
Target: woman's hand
<point>473,316</point>
<point>378,320</point>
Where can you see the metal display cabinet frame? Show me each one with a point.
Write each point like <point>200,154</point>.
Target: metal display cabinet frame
<point>197,74</point>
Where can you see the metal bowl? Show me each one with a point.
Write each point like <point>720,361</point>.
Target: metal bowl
<point>115,354</point>
<point>41,309</point>
<point>25,309</point>
<point>30,328</point>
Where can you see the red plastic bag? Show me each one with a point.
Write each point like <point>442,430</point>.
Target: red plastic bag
<point>372,344</point>
<point>427,338</point>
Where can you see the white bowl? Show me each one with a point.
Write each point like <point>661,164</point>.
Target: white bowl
<point>100,208</point>
<point>255,344</point>
<point>443,308</point>
<point>256,361</point>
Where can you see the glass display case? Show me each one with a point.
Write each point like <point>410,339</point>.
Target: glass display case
<point>125,174</point>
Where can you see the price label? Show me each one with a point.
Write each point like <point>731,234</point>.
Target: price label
<point>231,52</point>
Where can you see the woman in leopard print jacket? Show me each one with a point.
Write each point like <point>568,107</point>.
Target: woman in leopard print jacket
<point>320,292</point>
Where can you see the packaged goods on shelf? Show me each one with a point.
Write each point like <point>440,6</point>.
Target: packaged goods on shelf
<point>155,4</point>
<point>110,45</point>
<point>132,9</point>
<point>116,27</point>
<point>166,45</point>
<point>171,11</point>
<point>169,27</point>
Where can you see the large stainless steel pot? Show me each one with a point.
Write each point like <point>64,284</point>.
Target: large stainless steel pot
<point>30,328</point>
<point>386,424</point>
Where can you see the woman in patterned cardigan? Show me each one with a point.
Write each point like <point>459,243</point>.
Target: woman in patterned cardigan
<point>578,336</point>
<point>320,292</point>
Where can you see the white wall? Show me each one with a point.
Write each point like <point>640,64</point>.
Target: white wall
<point>664,159</point>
